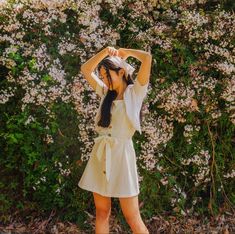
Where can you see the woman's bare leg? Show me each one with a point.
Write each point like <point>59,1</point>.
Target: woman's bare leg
<point>103,210</point>
<point>130,209</point>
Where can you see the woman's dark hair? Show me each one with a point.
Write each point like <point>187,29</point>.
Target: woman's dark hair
<point>105,115</point>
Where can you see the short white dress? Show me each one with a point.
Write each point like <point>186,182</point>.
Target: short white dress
<point>112,169</point>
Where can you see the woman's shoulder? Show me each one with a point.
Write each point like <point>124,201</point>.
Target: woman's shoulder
<point>136,90</point>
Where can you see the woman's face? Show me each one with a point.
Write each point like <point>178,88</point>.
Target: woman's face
<point>116,78</point>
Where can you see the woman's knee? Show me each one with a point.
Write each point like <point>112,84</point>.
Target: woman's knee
<point>103,213</point>
<point>133,218</point>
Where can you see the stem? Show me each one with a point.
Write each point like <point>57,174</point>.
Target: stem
<point>213,164</point>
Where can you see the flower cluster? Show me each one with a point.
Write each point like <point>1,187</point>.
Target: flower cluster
<point>158,131</point>
<point>230,174</point>
<point>177,100</point>
<point>201,161</point>
<point>63,171</point>
<point>189,132</point>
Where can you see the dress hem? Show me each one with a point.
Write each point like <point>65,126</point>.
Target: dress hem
<point>109,195</point>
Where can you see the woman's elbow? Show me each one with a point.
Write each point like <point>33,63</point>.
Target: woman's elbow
<point>83,69</point>
<point>148,58</point>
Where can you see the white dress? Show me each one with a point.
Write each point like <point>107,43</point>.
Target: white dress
<point>111,169</point>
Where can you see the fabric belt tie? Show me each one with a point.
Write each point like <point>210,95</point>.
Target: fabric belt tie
<point>103,144</point>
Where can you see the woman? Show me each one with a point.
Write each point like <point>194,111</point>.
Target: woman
<point>111,170</point>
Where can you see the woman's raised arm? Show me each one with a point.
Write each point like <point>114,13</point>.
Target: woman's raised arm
<point>146,62</point>
<point>89,66</point>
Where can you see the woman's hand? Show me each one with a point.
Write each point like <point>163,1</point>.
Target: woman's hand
<point>122,53</point>
<point>112,51</point>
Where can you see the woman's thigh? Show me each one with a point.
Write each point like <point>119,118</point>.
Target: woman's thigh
<point>102,203</point>
<point>130,206</point>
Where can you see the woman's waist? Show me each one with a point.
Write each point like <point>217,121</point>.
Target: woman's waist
<point>115,132</point>
<point>115,135</point>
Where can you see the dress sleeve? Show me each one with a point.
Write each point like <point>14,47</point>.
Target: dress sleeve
<point>140,90</point>
<point>133,97</point>
<point>101,88</point>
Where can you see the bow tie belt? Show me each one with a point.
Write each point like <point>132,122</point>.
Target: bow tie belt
<point>103,145</point>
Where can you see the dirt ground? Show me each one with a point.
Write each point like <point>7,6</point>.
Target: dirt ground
<point>224,224</point>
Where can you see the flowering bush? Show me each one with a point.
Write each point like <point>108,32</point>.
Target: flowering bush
<point>185,154</point>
